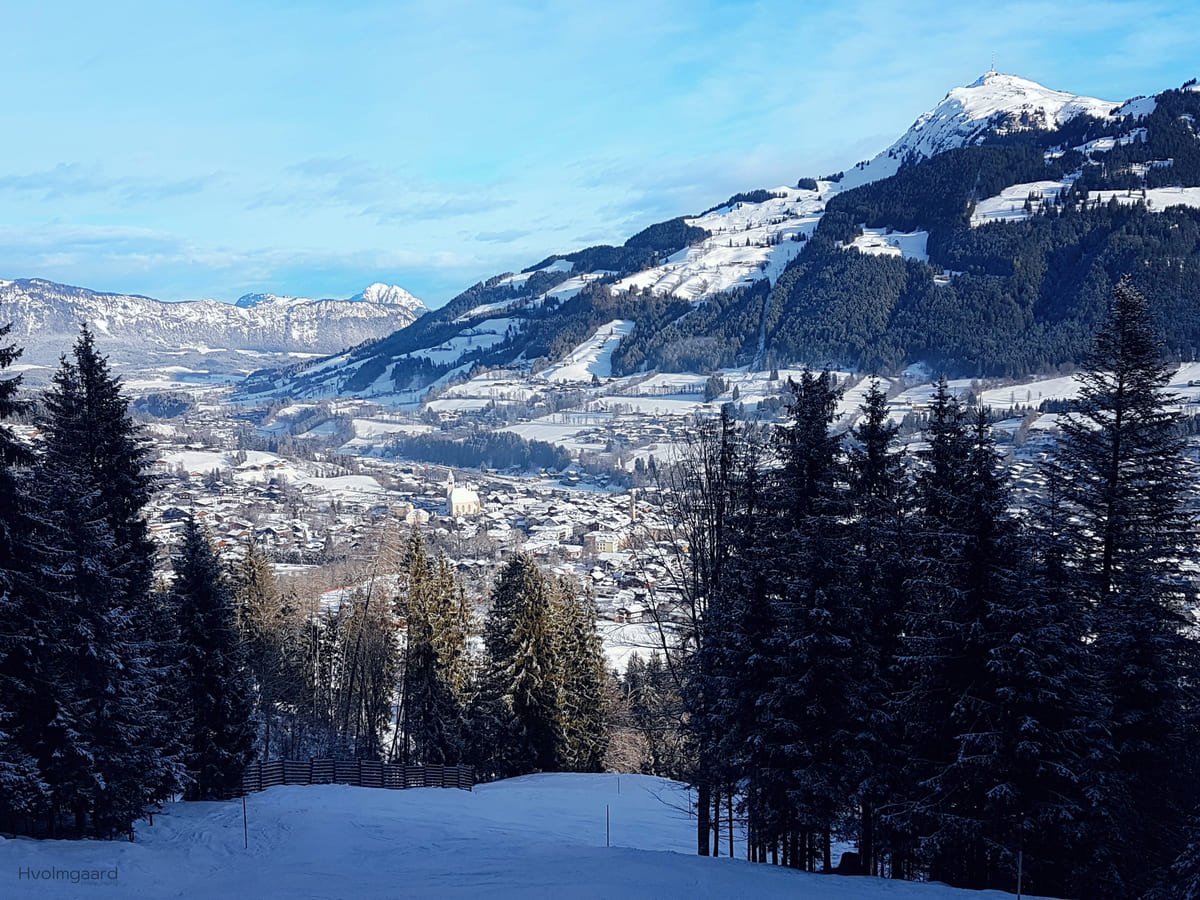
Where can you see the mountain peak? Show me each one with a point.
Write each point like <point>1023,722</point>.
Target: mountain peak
<point>995,77</point>
<point>994,102</point>
<point>384,294</point>
<point>390,294</point>
<point>989,75</point>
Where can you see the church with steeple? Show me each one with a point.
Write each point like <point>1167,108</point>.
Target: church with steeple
<point>461,500</point>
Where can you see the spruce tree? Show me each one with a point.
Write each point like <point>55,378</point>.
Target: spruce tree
<point>219,732</point>
<point>742,659</point>
<point>88,420</point>
<point>583,674</point>
<point>737,655</point>
<point>14,457</point>
<point>21,788</point>
<point>454,627</point>
<point>1182,881</point>
<point>104,749</point>
<point>98,707</point>
<point>432,714</point>
<point>532,680</point>
<point>520,692</point>
<point>1123,479</point>
<point>159,634</point>
<point>880,501</point>
<point>1005,661</point>
<point>815,709</point>
<point>932,663</point>
<point>269,629</point>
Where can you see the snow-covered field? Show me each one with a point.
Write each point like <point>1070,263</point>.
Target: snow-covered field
<point>563,430</point>
<point>480,335</point>
<point>537,836</point>
<point>1009,204</point>
<point>263,467</point>
<point>592,357</point>
<point>882,242</point>
<point>747,241</point>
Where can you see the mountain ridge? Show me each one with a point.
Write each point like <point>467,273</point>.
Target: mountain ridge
<point>144,331</point>
<point>767,276</point>
<point>983,241</point>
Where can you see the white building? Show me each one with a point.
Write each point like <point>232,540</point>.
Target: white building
<point>604,542</point>
<point>416,517</point>
<point>461,501</point>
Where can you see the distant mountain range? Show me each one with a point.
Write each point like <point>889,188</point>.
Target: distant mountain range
<point>141,332</point>
<point>985,241</point>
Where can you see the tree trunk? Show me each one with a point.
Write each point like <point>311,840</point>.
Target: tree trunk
<point>703,805</point>
<point>716,823</point>
<point>729,806</point>
<point>898,861</point>
<point>827,851</point>
<point>866,845</point>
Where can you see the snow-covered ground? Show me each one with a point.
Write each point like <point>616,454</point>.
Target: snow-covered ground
<point>884,242</point>
<point>537,836</point>
<point>1031,393</point>
<point>1156,198</point>
<point>624,640</point>
<point>560,292</point>
<point>263,467</point>
<point>592,357</point>
<point>563,429</point>
<point>483,334</point>
<point>748,241</point>
<point>1009,204</point>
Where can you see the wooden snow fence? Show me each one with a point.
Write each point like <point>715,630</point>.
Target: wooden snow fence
<point>359,772</point>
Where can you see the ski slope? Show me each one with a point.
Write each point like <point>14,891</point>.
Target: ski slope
<point>591,358</point>
<point>747,242</point>
<point>541,836</point>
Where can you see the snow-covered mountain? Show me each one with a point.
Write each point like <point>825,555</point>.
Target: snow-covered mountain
<point>766,231</point>
<point>379,294</point>
<point>1002,149</point>
<point>141,331</point>
<point>390,295</point>
<point>994,103</point>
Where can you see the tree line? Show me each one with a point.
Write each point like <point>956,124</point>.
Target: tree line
<point>125,682</point>
<point>403,669</point>
<point>883,647</point>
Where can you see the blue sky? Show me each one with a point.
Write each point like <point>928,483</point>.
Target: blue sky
<point>211,149</point>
